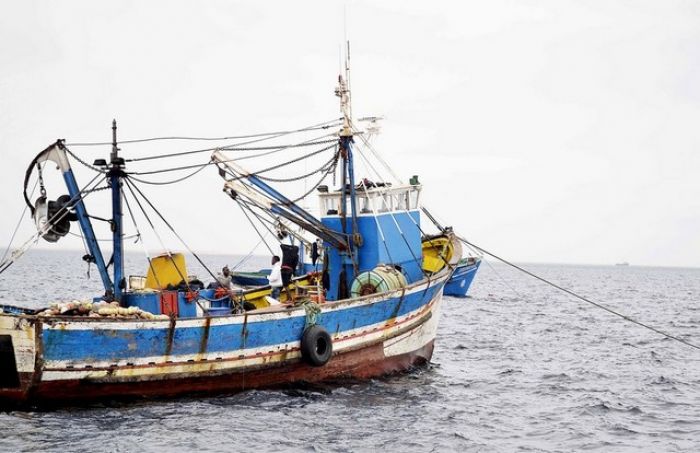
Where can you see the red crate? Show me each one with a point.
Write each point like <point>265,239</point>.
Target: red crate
<point>168,303</point>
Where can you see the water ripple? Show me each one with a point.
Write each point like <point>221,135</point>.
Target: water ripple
<point>534,372</point>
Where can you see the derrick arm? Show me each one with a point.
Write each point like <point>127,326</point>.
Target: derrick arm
<point>260,194</point>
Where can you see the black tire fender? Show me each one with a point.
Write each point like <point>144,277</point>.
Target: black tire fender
<point>316,345</point>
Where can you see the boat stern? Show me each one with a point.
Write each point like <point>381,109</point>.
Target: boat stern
<point>17,357</point>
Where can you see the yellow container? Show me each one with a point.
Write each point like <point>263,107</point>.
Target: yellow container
<point>166,270</point>
<point>437,252</point>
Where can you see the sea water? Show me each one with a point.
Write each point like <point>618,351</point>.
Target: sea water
<point>518,366</point>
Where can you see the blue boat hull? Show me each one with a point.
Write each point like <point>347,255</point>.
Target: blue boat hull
<point>62,359</point>
<point>250,278</point>
<point>461,279</point>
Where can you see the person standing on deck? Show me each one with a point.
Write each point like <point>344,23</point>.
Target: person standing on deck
<point>275,277</point>
<point>290,261</point>
<point>224,278</point>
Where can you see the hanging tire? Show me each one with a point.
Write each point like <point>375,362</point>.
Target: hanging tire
<point>316,346</point>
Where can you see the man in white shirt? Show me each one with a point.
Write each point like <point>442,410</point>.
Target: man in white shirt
<point>275,277</point>
<point>224,278</point>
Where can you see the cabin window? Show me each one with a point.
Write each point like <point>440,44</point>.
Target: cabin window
<point>402,201</point>
<point>385,203</point>
<point>365,206</point>
<point>413,199</point>
<point>376,200</point>
<point>330,205</point>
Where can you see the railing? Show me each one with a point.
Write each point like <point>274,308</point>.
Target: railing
<point>375,199</point>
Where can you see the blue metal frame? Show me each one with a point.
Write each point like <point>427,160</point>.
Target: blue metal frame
<point>117,234</point>
<point>291,206</point>
<point>350,264</point>
<point>86,227</point>
<point>351,177</point>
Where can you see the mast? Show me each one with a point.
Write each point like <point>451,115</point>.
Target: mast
<point>348,178</point>
<point>115,174</point>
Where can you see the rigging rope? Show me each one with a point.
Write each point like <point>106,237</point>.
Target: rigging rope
<point>247,257</point>
<point>396,223</point>
<point>268,149</point>
<point>262,238</point>
<point>200,166</point>
<point>376,220</point>
<point>173,181</point>
<point>283,164</point>
<point>167,251</point>
<point>196,256</point>
<point>376,154</point>
<point>267,223</point>
<point>266,135</point>
<point>326,165</point>
<point>19,223</point>
<point>274,149</point>
<point>79,235</point>
<point>585,299</point>
<point>324,176</point>
<point>329,170</point>
<point>148,256</point>
<point>91,167</point>
<point>505,282</point>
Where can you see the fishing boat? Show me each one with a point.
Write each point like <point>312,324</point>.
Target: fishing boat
<point>258,278</point>
<point>464,273</point>
<point>372,308</point>
<point>441,248</point>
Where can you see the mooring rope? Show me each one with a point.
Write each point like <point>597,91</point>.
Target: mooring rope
<point>578,296</point>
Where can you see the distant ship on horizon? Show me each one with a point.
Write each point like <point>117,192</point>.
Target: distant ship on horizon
<point>624,263</point>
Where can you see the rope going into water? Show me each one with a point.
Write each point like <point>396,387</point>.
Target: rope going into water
<point>578,296</point>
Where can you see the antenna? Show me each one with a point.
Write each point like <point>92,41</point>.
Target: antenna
<point>343,92</point>
<point>347,63</point>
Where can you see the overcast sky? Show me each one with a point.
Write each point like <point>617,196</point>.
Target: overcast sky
<point>547,131</point>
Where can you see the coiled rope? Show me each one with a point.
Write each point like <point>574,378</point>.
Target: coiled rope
<point>312,312</point>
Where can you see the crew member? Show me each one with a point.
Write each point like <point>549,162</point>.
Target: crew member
<point>224,278</point>
<point>290,261</point>
<point>275,278</point>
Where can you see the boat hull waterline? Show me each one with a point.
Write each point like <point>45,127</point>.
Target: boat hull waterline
<point>87,359</point>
